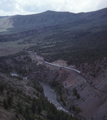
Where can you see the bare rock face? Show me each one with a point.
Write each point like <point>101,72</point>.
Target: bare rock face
<point>91,99</point>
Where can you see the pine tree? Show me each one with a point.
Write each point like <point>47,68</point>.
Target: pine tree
<point>33,107</point>
<point>9,100</point>
<point>5,103</point>
<point>39,109</point>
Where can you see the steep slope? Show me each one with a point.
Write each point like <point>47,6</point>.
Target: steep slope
<point>92,101</point>
<point>22,98</point>
<point>89,100</point>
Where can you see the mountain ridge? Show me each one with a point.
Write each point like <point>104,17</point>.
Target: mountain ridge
<point>46,19</point>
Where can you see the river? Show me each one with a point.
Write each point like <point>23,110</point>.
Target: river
<point>16,75</point>
<point>51,96</point>
<point>49,93</point>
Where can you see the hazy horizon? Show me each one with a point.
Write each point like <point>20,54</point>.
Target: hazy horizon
<point>19,7</point>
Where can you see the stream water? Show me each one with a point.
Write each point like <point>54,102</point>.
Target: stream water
<point>14,74</point>
<point>51,96</point>
<point>49,93</point>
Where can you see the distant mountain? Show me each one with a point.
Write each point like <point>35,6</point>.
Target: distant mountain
<point>27,22</point>
<point>50,18</point>
<point>3,16</point>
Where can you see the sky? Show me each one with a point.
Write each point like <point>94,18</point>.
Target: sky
<point>23,7</point>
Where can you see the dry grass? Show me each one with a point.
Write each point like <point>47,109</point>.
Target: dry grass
<point>12,47</point>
